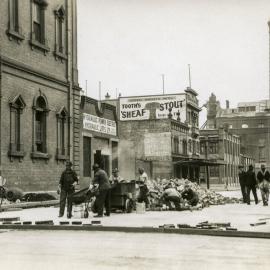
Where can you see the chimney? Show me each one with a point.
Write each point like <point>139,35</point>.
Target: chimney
<point>227,104</point>
<point>107,96</point>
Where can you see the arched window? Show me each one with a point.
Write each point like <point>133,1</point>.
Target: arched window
<point>194,147</point>
<point>190,146</point>
<point>41,125</point>
<point>176,145</point>
<point>184,144</point>
<point>61,152</point>
<point>40,112</point>
<point>16,146</point>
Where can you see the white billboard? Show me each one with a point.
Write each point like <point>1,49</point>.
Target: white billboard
<point>94,123</point>
<point>152,107</point>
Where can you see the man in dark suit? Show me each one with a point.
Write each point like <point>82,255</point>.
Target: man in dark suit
<point>67,184</point>
<point>242,182</point>
<point>263,177</point>
<point>251,184</point>
<point>103,197</point>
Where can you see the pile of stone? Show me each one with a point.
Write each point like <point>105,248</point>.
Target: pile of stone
<point>206,197</point>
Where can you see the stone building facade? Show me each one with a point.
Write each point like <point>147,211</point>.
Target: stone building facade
<point>250,121</point>
<point>39,91</point>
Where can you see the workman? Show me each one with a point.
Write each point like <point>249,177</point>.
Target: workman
<point>142,181</point>
<point>103,195</point>
<point>263,177</point>
<point>67,183</point>
<point>251,184</point>
<point>242,182</point>
<point>115,178</point>
<point>170,194</point>
<point>190,195</point>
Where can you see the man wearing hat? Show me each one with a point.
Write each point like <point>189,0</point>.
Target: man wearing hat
<point>242,182</point>
<point>251,184</point>
<point>103,197</point>
<point>67,184</point>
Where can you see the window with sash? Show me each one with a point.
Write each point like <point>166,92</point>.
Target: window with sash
<point>38,37</point>
<point>60,35</point>
<point>17,106</point>
<point>40,113</point>
<point>14,30</point>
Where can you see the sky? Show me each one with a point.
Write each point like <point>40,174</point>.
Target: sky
<point>129,44</point>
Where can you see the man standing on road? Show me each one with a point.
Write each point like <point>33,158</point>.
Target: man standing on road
<point>242,182</point>
<point>251,184</point>
<point>263,177</point>
<point>67,184</point>
<point>104,195</point>
<point>143,195</point>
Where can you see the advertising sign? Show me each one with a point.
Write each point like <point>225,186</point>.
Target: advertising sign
<point>157,144</point>
<point>102,125</point>
<point>153,107</point>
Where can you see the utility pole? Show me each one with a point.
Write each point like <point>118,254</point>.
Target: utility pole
<point>189,75</point>
<point>86,87</point>
<point>99,90</point>
<point>163,84</point>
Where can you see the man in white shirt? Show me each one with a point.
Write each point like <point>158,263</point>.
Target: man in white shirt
<point>142,181</point>
<point>170,194</point>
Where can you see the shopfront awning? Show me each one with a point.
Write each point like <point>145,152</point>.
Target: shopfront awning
<point>199,162</point>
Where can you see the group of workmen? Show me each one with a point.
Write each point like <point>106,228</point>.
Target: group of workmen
<point>249,181</point>
<point>102,184</point>
<point>181,200</point>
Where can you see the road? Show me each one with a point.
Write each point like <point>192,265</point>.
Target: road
<point>115,250</point>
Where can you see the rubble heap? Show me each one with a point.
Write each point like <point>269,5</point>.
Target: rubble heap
<point>206,197</point>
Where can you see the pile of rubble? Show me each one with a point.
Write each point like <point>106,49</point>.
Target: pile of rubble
<point>206,197</point>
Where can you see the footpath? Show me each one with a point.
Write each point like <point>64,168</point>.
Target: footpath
<point>253,220</point>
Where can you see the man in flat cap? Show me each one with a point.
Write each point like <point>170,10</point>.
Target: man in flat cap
<point>103,198</point>
<point>67,183</point>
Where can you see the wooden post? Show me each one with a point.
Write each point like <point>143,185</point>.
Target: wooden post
<point>207,177</point>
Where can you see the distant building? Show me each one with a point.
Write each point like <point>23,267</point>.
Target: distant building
<point>39,92</point>
<point>99,142</point>
<point>222,147</point>
<point>250,121</point>
<point>158,132</point>
<point>246,161</point>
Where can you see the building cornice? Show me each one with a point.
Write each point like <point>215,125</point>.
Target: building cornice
<point>24,68</point>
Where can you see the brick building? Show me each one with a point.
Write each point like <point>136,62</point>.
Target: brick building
<point>157,133</point>
<point>250,121</point>
<point>99,142</point>
<point>39,91</point>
